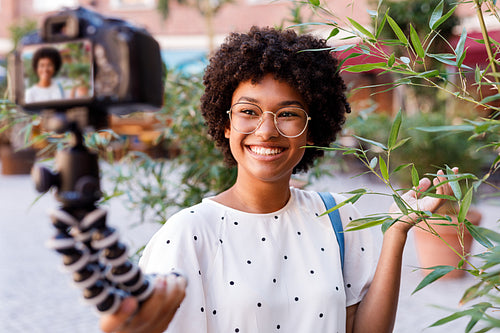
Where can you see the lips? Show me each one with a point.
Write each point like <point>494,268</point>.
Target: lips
<point>266,151</point>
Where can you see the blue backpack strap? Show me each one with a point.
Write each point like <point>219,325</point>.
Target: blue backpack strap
<point>329,202</point>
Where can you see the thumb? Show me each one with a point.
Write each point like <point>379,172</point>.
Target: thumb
<point>111,323</point>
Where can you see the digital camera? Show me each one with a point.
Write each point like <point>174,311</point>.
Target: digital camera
<point>80,58</point>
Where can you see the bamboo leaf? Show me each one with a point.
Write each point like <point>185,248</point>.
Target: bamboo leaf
<point>361,29</point>
<point>454,184</point>
<point>381,26</point>
<point>396,124</point>
<point>437,273</point>
<point>464,207</point>
<point>431,73</point>
<point>459,49</point>
<point>414,176</point>
<point>443,18</point>
<point>375,143</point>
<point>365,67</point>
<point>400,143</point>
<point>478,235</point>
<point>314,2</point>
<point>383,169</point>
<point>391,60</point>
<point>415,40</point>
<point>333,33</point>
<point>401,205</point>
<point>490,98</point>
<point>437,13</point>
<point>397,30</point>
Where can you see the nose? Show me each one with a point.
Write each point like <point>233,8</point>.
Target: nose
<point>267,129</point>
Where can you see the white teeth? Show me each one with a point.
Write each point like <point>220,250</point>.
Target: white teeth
<point>266,151</point>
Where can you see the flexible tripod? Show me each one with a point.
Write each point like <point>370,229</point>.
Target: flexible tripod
<point>91,250</point>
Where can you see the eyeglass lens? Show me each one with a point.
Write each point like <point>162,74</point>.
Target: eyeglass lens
<point>247,117</point>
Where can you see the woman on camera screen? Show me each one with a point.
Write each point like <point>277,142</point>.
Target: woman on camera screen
<point>258,257</point>
<point>46,64</point>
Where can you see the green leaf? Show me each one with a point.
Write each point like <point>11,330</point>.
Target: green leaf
<point>314,2</point>
<point>465,204</point>
<point>396,124</point>
<point>381,26</point>
<point>400,143</point>
<point>391,60</point>
<point>397,30</point>
<point>459,49</point>
<point>401,205</point>
<point>443,18</point>
<point>383,169</point>
<point>436,14</point>
<point>415,40</point>
<point>438,272</point>
<point>400,167</point>
<point>490,98</point>
<point>478,235</point>
<point>454,184</point>
<point>372,142</point>
<point>333,33</point>
<point>431,73</point>
<point>361,29</point>
<point>414,176</point>
<point>365,67</point>
<point>366,222</point>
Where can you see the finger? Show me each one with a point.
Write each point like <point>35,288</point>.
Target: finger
<point>175,293</point>
<point>111,323</point>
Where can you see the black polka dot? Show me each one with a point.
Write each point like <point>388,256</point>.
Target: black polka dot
<point>231,283</point>
<point>236,329</point>
<point>202,309</point>
<point>168,241</point>
<point>220,240</point>
<point>263,239</point>
<point>195,238</point>
<point>214,312</point>
<point>312,272</point>
<point>276,217</point>
<point>274,280</point>
<point>235,223</point>
<point>192,212</point>
<point>321,315</point>
<point>336,288</point>
<point>222,218</point>
<point>296,299</point>
<point>298,233</point>
<point>285,257</point>
<point>199,272</point>
<point>278,327</point>
<point>323,249</point>
<point>259,304</point>
<point>348,285</point>
<point>249,262</point>
<point>350,218</point>
<point>362,249</point>
<point>316,214</point>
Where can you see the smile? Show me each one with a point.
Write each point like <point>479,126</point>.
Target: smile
<point>266,151</point>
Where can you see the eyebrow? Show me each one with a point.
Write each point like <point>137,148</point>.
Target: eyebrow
<point>281,104</point>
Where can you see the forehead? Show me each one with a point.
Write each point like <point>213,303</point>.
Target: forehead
<point>267,91</point>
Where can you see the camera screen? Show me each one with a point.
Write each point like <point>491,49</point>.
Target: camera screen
<point>57,73</point>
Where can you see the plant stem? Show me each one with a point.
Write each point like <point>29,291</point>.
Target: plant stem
<point>487,43</point>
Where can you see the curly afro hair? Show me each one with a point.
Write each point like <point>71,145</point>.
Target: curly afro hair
<point>284,54</point>
<point>49,53</point>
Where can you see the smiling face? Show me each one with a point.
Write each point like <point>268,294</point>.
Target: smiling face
<point>45,70</point>
<point>266,155</point>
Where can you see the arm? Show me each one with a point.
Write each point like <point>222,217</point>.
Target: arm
<point>377,311</point>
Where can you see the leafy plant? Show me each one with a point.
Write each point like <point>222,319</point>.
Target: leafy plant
<point>407,58</point>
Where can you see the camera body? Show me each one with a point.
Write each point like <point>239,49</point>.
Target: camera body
<point>105,64</point>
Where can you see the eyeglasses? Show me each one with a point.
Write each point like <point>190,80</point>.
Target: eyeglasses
<point>290,121</point>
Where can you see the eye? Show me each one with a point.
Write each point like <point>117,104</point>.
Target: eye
<point>247,110</point>
<point>291,113</point>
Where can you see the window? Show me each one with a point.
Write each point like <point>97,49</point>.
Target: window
<point>132,4</point>
<point>44,5</point>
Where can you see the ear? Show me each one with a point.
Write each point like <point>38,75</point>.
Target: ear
<point>227,131</point>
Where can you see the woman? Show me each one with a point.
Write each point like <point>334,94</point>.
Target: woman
<point>46,64</point>
<point>257,256</point>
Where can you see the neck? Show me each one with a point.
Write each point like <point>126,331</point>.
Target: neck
<point>44,83</point>
<point>256,197</point>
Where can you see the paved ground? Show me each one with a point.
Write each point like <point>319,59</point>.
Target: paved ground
<point>35,296</point>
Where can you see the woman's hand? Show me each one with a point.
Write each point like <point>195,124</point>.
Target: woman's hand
<point>431,204</point>
<point>154,315</point>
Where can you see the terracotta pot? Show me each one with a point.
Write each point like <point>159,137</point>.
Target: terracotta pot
<point>432,251</point>
<point>16,162</point>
